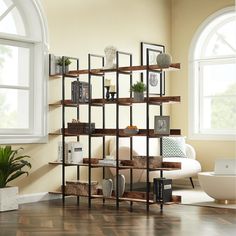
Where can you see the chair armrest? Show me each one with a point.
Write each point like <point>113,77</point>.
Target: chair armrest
<point>190,151</point>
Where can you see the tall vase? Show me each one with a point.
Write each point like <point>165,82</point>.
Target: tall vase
<point>107,186</point>
<point>121,185</point>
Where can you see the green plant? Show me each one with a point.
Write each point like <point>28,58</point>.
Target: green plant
<point>60,61</point>
<point>139,87</point>
<point>11,165</point>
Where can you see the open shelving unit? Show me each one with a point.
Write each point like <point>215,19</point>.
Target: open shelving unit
<point>132,196</point>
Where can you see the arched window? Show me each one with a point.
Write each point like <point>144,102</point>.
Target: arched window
<point>23,72</point>
<point>212,89</point>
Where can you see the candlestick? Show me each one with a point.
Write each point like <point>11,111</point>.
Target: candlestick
<point>107,92</point>
<point>112,95</point>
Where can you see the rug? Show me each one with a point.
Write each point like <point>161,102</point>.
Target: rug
<point>197,197</point>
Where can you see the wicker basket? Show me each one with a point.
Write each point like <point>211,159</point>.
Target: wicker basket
<point>78,187</point>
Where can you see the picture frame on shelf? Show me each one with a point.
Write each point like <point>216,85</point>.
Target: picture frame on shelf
<point>162,125</point>
<point>155,78</point>
<point>54,69</point>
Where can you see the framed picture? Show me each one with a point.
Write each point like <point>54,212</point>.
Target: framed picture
<point>54,69</point>
<point>154,77</point>
<point>162,125</point>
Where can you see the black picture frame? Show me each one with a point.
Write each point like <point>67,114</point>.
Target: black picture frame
<point>154,77</point>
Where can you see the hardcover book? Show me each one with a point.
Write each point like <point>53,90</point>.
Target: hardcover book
<point>162,189</point>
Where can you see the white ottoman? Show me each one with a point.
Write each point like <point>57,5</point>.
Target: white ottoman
<point>220,187</point>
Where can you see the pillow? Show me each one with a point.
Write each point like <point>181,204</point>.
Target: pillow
<point>173,147</point>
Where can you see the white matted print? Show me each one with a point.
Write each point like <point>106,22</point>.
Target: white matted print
<point>162,125</point>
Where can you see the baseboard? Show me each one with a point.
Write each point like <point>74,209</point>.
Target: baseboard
<point>37,197</point>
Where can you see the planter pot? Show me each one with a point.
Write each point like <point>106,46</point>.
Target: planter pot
<point>163,60</point>
<point>107,186</point>
<point>8,198</point>
<point>121,185</point>
<point>59,69</point>
<point>138,97</point>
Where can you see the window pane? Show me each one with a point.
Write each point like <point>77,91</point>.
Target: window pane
<point>14,109</point>
<point>11,21</point>
<point>14,65</point>
<point>219,79</point>
<point>223,41</point>
<point>219,113</point>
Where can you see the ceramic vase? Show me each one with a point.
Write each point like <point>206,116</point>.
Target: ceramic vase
<point>107,186</point>
<point>163,60</point>
<point>138,97</point>
<point>121,185</point>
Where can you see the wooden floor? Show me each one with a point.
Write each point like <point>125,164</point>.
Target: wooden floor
<point>50,218</point>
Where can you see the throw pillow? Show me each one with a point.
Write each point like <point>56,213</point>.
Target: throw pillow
<point>173,147</point>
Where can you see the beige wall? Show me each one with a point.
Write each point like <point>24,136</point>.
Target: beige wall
<point>76,28</point>
<point>187,15</point>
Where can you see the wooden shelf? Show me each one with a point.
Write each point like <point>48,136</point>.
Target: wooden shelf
<point>113,132</point>
<point>166,166</point>
<point>120,101</point>
<point>133,196</point>
<point>101,71</point>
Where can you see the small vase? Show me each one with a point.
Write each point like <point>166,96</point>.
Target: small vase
<point>60,70</point>
<point>107,186</point>
<point>163,60</point>
<point>138,97</point>
<point>121,185</point>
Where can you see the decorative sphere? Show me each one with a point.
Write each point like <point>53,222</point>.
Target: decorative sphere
<point>163,60</point>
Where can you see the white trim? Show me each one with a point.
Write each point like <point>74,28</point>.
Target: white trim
<point>192,93</point>
<point>37,197</point>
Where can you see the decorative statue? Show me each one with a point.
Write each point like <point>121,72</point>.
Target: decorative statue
<point>110,54</point>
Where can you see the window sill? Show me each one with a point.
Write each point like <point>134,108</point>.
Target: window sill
<point>222,137</point>
<point>21,139</point>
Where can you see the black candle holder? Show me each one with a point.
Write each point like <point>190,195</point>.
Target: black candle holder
<point>112,95</point>
<point>107,92</point>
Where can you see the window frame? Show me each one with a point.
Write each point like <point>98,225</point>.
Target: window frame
<point>38,71</point>
<point>195,91</point>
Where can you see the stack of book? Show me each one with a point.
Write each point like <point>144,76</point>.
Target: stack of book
<point>80,92</point>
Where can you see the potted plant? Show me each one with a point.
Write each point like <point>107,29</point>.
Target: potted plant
<point>138,88</point>
<point>11,167</point>
<point>67,62</point>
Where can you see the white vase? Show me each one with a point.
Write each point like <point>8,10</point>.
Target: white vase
<point>8,198</point>
<point>163,60</point>
<point>121,185</point>
<point>107,186</point>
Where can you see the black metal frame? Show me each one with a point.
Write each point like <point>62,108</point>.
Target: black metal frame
<point>90,74</point>
<point>147,127</point>
<point>64,76</point>
<point>118,72</point>
<point>102,75</point>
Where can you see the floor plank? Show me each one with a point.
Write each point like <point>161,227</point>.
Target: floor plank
<point>51,218</point>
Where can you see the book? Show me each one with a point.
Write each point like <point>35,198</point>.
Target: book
<point>80,92</point>
<point>162,189</point>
